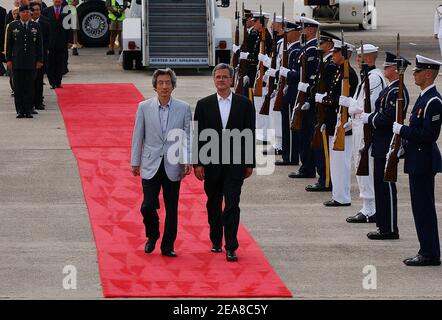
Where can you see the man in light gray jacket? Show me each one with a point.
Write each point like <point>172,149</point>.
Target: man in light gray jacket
<point>161,152</point>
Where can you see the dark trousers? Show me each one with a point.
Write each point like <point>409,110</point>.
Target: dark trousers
<point>385,198</point>
<point>23,90</point>
<point>305,150</point>
<point>290,138</point>
<point>424,213</point>
<point>151,191</point>
<point>56,66</point>
<point>38,95</point>
<point>2,68</point>
<point>218,186</point>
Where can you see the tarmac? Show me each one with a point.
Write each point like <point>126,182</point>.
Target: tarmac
<point>45,225</point>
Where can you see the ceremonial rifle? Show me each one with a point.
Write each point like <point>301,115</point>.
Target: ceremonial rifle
<point>243,64</point>
<point>300,100</point>
<point>317,141</point>
<point>362,169</point>
<point>392,156</point>
<point>271,81</point>
<point>279,100</point>
<point>260,75</point>
<point>235,57</point>
<point>339,136</point>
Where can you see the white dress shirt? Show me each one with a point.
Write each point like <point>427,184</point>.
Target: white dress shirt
<point>224,108</point>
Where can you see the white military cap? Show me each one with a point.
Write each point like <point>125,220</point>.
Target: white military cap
<point>257,14</point>
<point>279,19</point>
<point>338,45</point>
<point>368,48</point>
<point>309,22</point>
<point>423,63</point>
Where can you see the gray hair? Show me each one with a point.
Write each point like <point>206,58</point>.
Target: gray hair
<point>160,72</point>
<point>223,66</point>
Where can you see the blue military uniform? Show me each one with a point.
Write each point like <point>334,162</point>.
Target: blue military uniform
<point>422,162</point>
<point>309,162</point>
<point>381,122</point>
<point>290,138</point>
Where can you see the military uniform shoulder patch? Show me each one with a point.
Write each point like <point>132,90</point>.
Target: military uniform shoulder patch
<point>435,118</point>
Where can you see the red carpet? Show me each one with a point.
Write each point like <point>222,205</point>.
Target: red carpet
<point>99,120</point>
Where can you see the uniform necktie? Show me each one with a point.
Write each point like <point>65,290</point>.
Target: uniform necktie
<point>57,12</point>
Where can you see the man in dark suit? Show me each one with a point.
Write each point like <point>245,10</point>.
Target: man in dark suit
<point>59,41</point>
<point>423,160</point>
<point>45,29</point>
<point>224,116</point>
<point>2,39</point>
<point>24,54</point>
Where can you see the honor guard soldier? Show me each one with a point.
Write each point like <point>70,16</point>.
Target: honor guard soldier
<point>325,53</point>
<point>381,123</point>
<point>290,138</point>
<point>274,116</point>
<point>254,43</point>
<point>24,55</point>
<point>423,160</point>
<point>356,107</point>
<point>307,110</point>
<point>340,161</point>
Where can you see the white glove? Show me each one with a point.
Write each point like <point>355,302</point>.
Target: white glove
<point>302,86</point>
<point>246,80</point>
<point>322,128</point>
<point>305,106</point>
<point>243,56</point>
<point>355,108</point>
<point>263,57</point>
<point>235,48</point>
<point>319,97</point>
<point>397,128</point>
<point>271,72</point>
<point>267,63</point>
<point>347,126</point>
<point>364,117</point>
<point>345,101</point>
<point>283,72</point>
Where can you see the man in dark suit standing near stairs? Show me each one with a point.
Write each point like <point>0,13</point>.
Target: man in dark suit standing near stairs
<point>224,167</point>
<point>45,32</point>
<point>60,40</point>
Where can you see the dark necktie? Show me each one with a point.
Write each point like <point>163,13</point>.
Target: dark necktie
<point>57,12</point>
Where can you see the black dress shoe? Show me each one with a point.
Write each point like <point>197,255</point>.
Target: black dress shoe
<point>231,256</point>
<point>34,112</point>
<point>361,218</point>
<point>284,163</point>
<point>216,249</point>
<point>29,116</point>
<point>150,246</point>
<point>74,52</point>
<point>20,116</point>
<point>169,253</point>
<point>277,152</point>
<point>317,188</point>
<point>334,203</point>
<point>421,261</point>
<point>298,175</point>
<point>39,108</point>
<point>59,86</point>
<point>377,235</point>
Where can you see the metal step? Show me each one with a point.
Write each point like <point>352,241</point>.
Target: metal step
<point>177,29</point>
